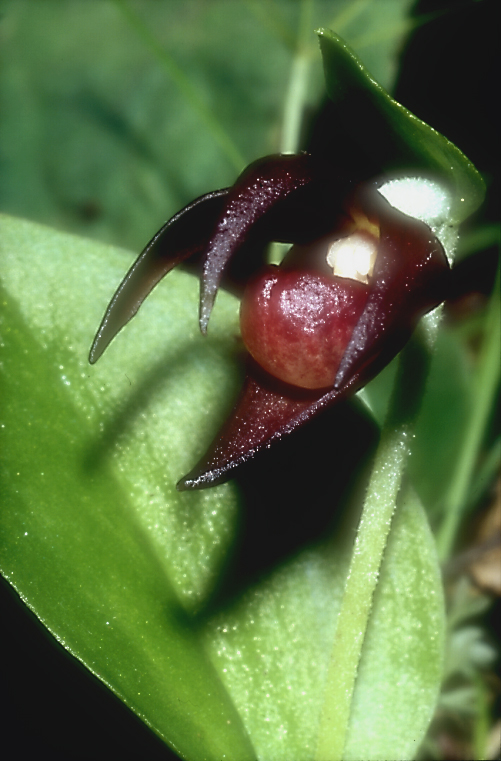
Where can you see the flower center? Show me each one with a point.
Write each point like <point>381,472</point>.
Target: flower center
<point>353,257</point>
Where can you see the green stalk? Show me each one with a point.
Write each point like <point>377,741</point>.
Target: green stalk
<point>185,86</point>
<point>381,500</point>
<point>487,382</point>
<point>294,104</point>
<point>298,83</point>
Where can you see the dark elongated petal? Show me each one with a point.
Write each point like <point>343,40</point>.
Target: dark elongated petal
<point>182,237</point>
<point>258,191</point>
<point>265,411</point>
<point>298,205</point>
<point>409,280</point>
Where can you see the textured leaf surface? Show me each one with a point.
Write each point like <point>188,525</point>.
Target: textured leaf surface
<point>116,563</point>
<point>273,649</point>
<point>94,537</point>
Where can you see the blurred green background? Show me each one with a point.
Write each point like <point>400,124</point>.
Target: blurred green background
<point>106,133</point>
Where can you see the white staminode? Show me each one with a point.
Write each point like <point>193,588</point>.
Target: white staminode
<point>353,257</point>
<point>426,200</point>
<point>418,197</point>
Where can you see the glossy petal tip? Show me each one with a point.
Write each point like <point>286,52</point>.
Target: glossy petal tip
<point>181,238</point>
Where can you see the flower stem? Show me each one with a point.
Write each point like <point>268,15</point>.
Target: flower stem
<point>294,102</point>
<point>384,486</point>
<point>298,83</point>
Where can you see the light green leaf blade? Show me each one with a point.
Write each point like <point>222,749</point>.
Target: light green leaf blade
<point>94,537</point>
<point>388,131</point>
<point>273,648</point>
<point>115,562</point>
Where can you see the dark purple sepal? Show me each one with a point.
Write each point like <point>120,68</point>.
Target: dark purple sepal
<point>184,236</point>
<point>265,411</point>
<point>263,186</point>
<point>409,279</point>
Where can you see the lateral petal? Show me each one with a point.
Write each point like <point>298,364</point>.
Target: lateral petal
<point>184,236</point>
<point>409,279</point>
<point>260,189</point>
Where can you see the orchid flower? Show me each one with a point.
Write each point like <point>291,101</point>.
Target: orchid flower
<point>317,327</point>
<point>358,276</point>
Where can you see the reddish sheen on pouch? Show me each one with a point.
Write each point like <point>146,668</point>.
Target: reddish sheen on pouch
<point>316,337</point>
<point>297,324</point>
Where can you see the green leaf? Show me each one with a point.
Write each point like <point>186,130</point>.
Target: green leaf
<point>387,130</point>
<point>95,538</point>
<point>110,144</point>
<point>274,648</point>
<point>117,564</point>
<point>442,418</point>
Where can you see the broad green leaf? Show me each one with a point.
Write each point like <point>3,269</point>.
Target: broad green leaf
<point>274,647</point>
<point>390,132</point>
<point>116,563</point>
<point>95,538</point>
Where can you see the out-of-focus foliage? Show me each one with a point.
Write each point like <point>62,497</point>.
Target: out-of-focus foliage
<point>98,137</point>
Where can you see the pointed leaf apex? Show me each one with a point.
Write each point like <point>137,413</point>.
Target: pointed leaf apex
<point>388,131</point>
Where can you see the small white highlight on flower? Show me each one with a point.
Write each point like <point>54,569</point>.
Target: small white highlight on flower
<point>353,257</point>
<point>418,197</point>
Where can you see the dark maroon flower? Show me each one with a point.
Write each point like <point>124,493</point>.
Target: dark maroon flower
<point>340,306</point>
